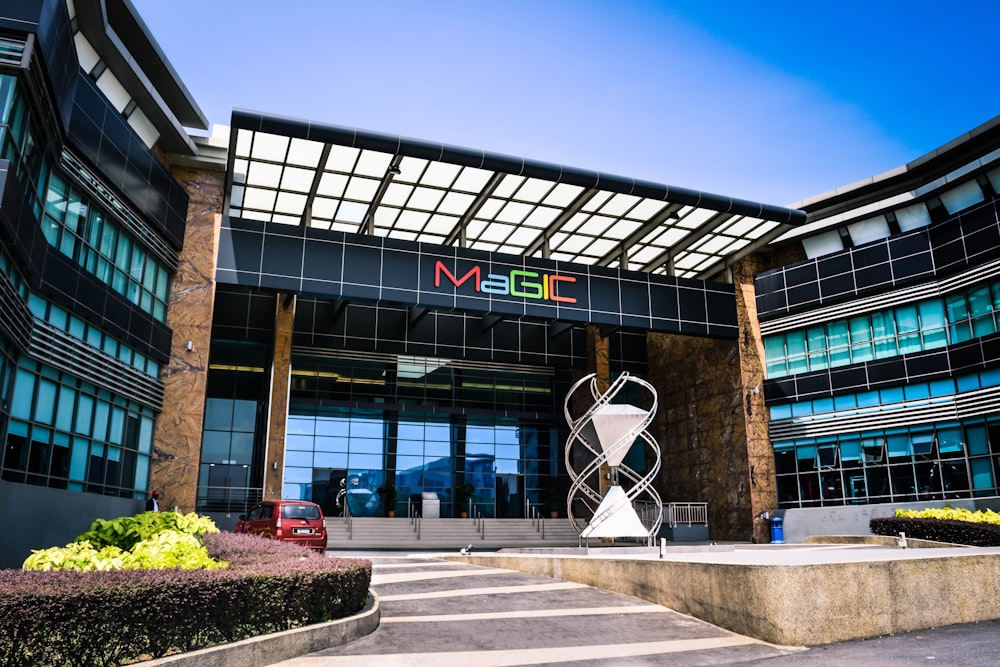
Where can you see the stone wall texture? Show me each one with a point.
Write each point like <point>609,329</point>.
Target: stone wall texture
<point>701,429</point>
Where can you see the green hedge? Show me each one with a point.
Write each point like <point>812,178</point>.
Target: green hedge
<point>115,617</point>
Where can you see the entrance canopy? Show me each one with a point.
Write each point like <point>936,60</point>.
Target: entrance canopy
<point>292,172</point>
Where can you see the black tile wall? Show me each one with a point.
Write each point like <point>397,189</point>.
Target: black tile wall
<point>352,267</point>
<point>940,250</point>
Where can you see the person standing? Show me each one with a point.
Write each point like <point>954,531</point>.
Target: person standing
<point>153,504</point>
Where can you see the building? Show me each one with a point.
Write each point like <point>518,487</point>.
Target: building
<point>295,309</point>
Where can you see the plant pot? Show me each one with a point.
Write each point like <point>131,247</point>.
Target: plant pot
<point>391,514</point>
<point>464,515</point>
<point>554,514</point>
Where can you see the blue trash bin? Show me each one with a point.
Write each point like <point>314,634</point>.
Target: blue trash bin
<point>777,532</point>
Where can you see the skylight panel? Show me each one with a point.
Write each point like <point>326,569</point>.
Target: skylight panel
<point>373,163</point>
<point>264,174</point>
<point>324,208</point>
<point>236,196</point>
<point>523,237</point>
<point>342,159</point>
<point>596,225</point>
<point>332,185</point>
<point>597,201</point>
<point>426,199</point>
<point>440,174</point>
<point>244,139</point>
<point>257,198</point>
<point>618,205</point>
<point>296,179</point>
<point>490,208</point>
<point>410,170</point>
<point>572,244</point>
<point>513,212</point>
<point>269,147</point>
<point>689,260</point>
<point>412,220</point>
<point>240,170</point>
<point>362,189</point>
<point>541,217</point>
<point>508,186</point>
<point>442,224</point>
<point>621,229</point>
<point>397,194</point>
<point>495,232</point>
<point>713,244</point>
<point>456,203</point>
<point>385,217</point>
<point>472,179</point>
<point>562,195</point>
<point>601,247</point>
<point>646,209</point>
<point>533,190</point>
<point>286,219</point>
<point>351,212</point>
<point>290,203</point>
<point>305,153</point>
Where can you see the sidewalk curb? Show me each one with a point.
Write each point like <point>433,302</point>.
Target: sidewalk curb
<point>278,646</point>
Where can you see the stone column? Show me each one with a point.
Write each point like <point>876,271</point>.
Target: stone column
<point>760,453</point>
<point>177,439</point>
<point>281,375</point>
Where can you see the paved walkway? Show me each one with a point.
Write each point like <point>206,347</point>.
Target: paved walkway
<point>440,613</point>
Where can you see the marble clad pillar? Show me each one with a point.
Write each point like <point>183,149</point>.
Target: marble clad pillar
<point>177,439</point>
<point>281,375</point>
<point>760,453</point>
<point>599,362</point>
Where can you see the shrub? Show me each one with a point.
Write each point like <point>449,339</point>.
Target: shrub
<point>111,617</point>
<point>151,540</point>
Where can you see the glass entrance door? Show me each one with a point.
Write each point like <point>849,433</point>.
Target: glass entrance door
<point>509,496</point>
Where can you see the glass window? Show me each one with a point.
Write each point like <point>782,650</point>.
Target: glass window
<point>908,329</point>
<point>958,316</point>
<point>932,324</point>
<point>884,335</point>
<point>981,311</point>
<point>861,340</point>
<point>816,341</point>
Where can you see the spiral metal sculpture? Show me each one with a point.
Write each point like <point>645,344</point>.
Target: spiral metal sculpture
<point>603,435</point>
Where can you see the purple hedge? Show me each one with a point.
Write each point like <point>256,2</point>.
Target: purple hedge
<point>938,530</point>
<point>108,618</point>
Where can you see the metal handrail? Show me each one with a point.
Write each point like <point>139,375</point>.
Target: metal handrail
<point>349,519</point>
<point>687,513</point>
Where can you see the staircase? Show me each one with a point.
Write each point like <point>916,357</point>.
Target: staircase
<point>448,534</point>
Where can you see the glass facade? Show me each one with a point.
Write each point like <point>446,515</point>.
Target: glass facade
<point>59,429</point>
<point>426,425</point>
<point>73,222</point>
<point>926,325</point>
<point>937,461</point>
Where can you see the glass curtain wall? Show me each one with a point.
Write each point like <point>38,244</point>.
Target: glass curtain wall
<point>427,427</point>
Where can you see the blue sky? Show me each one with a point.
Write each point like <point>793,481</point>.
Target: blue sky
<point>769,101</point>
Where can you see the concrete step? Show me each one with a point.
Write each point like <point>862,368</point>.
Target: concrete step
<point>447,534</point>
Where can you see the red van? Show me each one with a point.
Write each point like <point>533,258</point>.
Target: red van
<point>295,521</point>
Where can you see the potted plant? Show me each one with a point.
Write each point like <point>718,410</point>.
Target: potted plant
<point>552,495</point>
<point>463,493</point>
<point>388,493</point>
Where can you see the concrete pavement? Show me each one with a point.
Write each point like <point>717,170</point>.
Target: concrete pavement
<point>439,613</point>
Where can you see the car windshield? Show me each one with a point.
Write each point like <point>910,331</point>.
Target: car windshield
<point>299,512</point>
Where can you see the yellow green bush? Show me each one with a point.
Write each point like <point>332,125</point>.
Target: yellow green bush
<point>147,541</point>
<point>952,514</point>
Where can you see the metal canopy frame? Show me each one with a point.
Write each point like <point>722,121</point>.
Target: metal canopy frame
<point>293,172</point>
